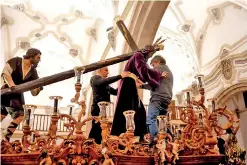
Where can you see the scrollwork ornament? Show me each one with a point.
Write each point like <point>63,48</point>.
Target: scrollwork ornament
<point>226,68</point>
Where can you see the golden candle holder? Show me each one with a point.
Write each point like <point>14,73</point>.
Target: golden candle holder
<point>78,72</point>
<point>28,110</point>
<point>55,117</point>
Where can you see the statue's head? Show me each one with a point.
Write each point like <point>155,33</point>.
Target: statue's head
<point>33,55</point>
<point>150,49</point>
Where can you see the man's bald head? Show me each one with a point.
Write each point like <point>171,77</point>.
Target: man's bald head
<point>103,72</point>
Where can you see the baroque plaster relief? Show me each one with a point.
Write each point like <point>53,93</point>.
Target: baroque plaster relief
<point>4,21</point>
<point>57,23</point>
<point>112,38</point>
<point>92,32</point>
<point>226,69</point>
<point>217,14</point>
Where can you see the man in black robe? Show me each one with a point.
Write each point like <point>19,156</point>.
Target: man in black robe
<point>15,72</point>
<point>101,92</point>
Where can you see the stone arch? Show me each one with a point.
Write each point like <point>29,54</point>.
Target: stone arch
<point>223,96</point>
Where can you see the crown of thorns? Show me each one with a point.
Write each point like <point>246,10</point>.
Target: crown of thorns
<point>157,46</point>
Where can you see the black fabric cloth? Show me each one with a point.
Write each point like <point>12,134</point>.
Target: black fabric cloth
<point>17,100</point>
<point>128,100</point>
<point>101,92</point>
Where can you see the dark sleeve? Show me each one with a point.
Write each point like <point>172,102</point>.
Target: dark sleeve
<point>13,62</point>
<point>97,80</point>
<point>35,74</point>
<point>146,86</point>
<point>113,91</point>
<point>146,74</point>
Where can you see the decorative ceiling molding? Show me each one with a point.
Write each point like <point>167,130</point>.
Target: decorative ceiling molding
<point>58,22</point>
<point>186,26</point>
<point>227,68</point>
<point>112,38</point>
<point>227,71</point>
<point>242,3</point>
<point>175,37</point>
<point>6,21</point>
<point>215,15</point>
<point>241,61</point>
<point>20,7</point>
<point>92,32</point>
<point>225,51</point>
<point>24,45</point>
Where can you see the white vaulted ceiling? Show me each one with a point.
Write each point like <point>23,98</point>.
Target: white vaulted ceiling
<point>68,33</point>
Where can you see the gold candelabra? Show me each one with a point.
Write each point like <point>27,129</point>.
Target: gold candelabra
<point>199,128</point>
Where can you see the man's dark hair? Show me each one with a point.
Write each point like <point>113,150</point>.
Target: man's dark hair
<point>32,52</point>
<point>158,58</point>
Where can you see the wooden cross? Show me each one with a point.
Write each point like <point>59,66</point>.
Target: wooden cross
<point>129,39</point>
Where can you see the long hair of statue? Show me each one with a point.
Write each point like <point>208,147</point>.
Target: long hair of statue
<point>128,99</point>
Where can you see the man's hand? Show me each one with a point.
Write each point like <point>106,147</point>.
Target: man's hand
<point>11,85</point>
<point>139,83</point>
<point>125,74</point>
<point>165,74</point>
<point>35,91</point>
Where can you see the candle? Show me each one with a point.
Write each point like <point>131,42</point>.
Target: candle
<point>70,112</point>
<point>33,139</point>
<point>28,116</point>
<point>55,105</point>
<point>213,106</point>
<point>200,81</point>
<point>188,97</point>
<point>78,76</point>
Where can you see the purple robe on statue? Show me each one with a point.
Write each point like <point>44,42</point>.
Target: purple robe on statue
<point>127,98</point>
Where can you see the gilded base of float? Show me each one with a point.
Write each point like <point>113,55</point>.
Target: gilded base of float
<point>29,159</point>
